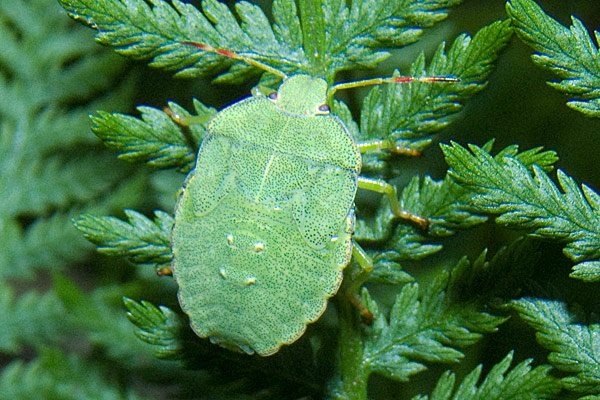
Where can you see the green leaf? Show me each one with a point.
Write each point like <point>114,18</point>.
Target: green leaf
<point>160,32</point>
<point>156,138</point>
<point>51,76</point>
<point>52,243</point>
<point>432,323</point>
<point>411,113</point>
<point>45,243</point>
<point>157,326</point>
<point>574,348</point>
<point>356,31</point>
<point>445,203</point>
<point>56,376</point>
<point>29,319</point>
<point>389,272</point>
<point>568,52</point>
<point>522,382</point>
<point>485,281</point>
<point>440,202</point>
<point>140,240</point>
<point>66,179</point>
<point>141,31</point>
<point>425,325</point>
<point>99,317</point>
<point>533,202</point>
<point>314,38</point>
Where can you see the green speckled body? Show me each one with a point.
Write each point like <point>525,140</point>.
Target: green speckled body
<point>263,226</point>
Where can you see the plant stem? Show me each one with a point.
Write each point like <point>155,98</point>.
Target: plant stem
<point>313,32</point>
<point>354,374</point>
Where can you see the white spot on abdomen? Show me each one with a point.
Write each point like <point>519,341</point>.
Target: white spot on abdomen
<point>258,247</point>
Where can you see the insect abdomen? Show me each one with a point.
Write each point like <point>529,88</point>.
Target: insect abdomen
<point>246,276</point>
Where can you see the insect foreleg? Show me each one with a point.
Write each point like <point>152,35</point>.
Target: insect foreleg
<point>380,186</point>
<point>186,121</point>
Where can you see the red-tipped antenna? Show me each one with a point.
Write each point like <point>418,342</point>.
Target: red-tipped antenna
<point>236,56</point>
<point>392,79</point>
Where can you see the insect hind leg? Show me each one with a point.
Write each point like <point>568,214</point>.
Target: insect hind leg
<point>351,292</point>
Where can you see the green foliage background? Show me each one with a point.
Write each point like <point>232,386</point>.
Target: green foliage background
<point>63,328</point>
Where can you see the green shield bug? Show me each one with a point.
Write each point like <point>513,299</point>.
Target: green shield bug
<point>264,223</point>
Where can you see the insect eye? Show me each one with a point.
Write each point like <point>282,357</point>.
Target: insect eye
<point>323,109</point>
<point>273,96</point>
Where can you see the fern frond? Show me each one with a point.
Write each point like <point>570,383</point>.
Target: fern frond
<point>389,272</point>
<point>372,24</point>
<point>574,348</point>
<point>34,53</point>
<point>140,240</point>
<point>47,243</point>
<point>156,138</point>
<point>487,279</point>
<point>409,114</point>
<point>56,376</point>
<point>98,316</point>
<point>157,326</point>
<point>402,242</point>
<point>65,180</point>
<point>522,382</point>
<point>532,201</point>
<point>50,242</point>
<point>28,319</point>
<point>445,203</point>
<point>425,325</point>
<point>48,66</point>
<point>432,323</point>
<point>33,86</point>
<point>159,31</point>
<point>568,52</point>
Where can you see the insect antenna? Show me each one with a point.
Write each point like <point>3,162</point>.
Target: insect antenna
<point>236,56</point>
<point>391,79</point>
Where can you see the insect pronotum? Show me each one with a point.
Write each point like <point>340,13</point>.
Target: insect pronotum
<point>263,227</point>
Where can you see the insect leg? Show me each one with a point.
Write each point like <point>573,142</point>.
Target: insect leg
<point>164,271</point>
<point>381,186</point>
<point>236,56</point>
<point>186,121</point>
<point>390,79</point>
<point>389,145</point>
<point>366,267</point>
